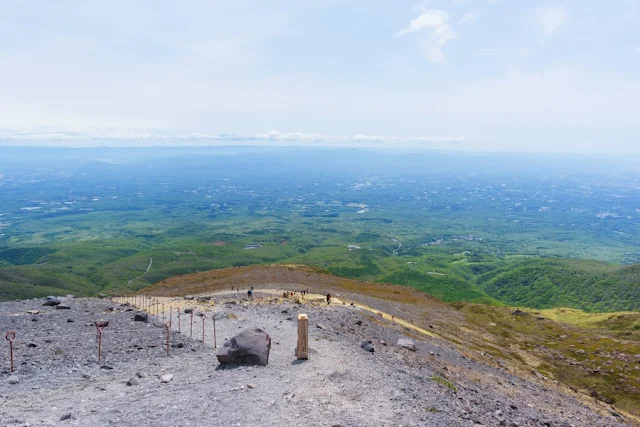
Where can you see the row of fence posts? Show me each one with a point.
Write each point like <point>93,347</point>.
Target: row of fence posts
<point>152,306</point>
<point>148,304</point>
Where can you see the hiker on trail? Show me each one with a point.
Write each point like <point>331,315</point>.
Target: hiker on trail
<point>328,299</point>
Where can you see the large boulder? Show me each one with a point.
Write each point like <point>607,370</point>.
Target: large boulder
<point>251,347</point>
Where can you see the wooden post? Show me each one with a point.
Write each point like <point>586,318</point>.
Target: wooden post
<point>303,337</point>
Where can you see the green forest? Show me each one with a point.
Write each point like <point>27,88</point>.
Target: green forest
<point>502,231</point>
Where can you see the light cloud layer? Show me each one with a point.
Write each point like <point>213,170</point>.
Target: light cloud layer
<point>561,77</point>
<point>468,18</point>
<point>549,19</point>
<point>13,136</point>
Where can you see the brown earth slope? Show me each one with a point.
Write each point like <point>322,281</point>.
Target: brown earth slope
<point>599,366</point>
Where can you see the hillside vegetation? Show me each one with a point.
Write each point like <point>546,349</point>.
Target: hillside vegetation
<point>546,283</point>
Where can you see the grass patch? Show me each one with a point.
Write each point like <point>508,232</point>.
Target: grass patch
<point>442,381</point>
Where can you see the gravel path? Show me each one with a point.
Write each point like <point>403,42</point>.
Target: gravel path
<point>60,382</point>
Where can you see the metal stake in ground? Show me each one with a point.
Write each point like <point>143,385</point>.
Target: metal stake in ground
<point>204,317</point>
<point>162,312</point>
<point>215,344</point>
<point>191,331</point>
<point>99,328</point>
<point>11,335</point>
<point>178,317</point>
<point>167,327</point>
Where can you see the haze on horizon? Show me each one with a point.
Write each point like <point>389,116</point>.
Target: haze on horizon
<point>480,75</point>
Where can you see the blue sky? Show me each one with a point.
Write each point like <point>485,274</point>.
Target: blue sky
<point>466,74</point>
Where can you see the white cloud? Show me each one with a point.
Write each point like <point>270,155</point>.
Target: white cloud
<point>638,49</point>
<point>548,20</point>
<point>435,22</point>
<point>141,137</point>
<point>468,18</point>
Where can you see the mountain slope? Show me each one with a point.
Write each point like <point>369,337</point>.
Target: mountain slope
<point>597,359</point>
<point>547,283</point>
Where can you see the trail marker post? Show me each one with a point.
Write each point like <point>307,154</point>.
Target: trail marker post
<point>178,317</point>
<point>191,331</point>
<point>10,336</point>
<point>204,317</point>
<point>167,327</point>
<point>162,312</point>
<point>302,352</point>
<point>99,328</point>
<point>215,343</point>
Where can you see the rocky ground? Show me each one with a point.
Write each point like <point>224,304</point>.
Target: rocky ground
<point>59,381</point>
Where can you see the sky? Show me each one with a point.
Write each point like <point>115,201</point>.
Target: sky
<point>489,75</point>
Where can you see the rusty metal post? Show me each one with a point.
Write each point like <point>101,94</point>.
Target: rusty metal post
<point>170,314</point>
<point>10,336</point>
<point>99,328</point>
<point>204,317</point>
<point>191,331</point>
<point>167,327</point>
<point>179,317</point>
<point>163,312</point>
<point>215,343</point>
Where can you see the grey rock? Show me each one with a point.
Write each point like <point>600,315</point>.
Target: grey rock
<point>132,382</point>
<point>519,313</point>
<point>251,347</point>
<point>407,343</point>
<point>63,307</point>
<point>33,311</point>
<point>189,297</point>
<point>367,346</point>
<point>141,317</point>
<point>65,417</point>
<point>320,326</point>
<point>51,303</point>
<point>166,378</point>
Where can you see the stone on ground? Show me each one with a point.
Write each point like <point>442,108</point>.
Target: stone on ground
<point>141,317</point>
<point>367,346</point>
<point>251,347</point>
<point>407,343</point>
